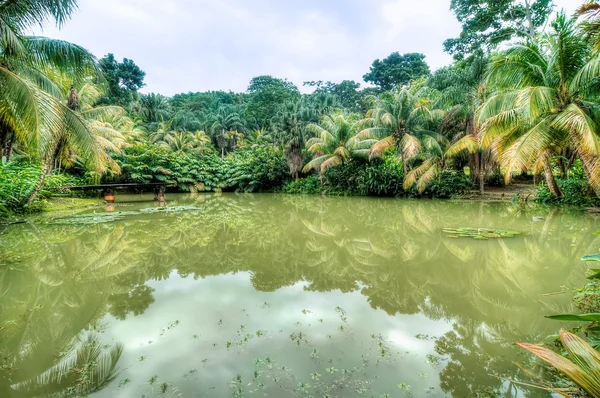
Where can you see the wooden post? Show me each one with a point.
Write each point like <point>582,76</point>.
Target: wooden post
<point>159,194</point>
<point>109,196</point>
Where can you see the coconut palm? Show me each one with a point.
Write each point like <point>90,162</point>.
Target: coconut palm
<point>30,108</point>
<point>431,158</point>
<point>591,25</point>
<point>105,122</point>
<point>336,142</point>
<point>396,119</point>
<point>544,104</point>
<point>463,89</point>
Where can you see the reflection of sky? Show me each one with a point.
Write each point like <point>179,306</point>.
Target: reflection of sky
<point>199,305</point>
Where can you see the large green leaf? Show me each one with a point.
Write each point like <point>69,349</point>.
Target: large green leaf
<point>592,257</point>
<point>593,317</point>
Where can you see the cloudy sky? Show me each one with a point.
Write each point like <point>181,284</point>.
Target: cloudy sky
<point>198,45</point>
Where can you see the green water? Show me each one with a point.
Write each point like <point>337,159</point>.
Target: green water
<point>283,296</point>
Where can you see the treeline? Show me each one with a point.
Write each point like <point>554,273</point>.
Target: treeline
<point>530,110</point>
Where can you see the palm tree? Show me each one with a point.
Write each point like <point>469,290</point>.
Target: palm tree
<point>336,142</point>
<point>33,112</point>
<point>290,129</point>
<point>431,156</point>
<point>396,119</point>
<point>463,89</point>
<point>30,108</point>
<point>185,142</point>
<point>226,126</point>
<point>106,123</point>
<point>544,104</point>
<point>155,108</point>
<point>591,25</point>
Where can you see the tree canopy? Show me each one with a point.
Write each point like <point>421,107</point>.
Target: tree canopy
<point>397,70</point>
<point>487,23</point>
<point>123,78</point>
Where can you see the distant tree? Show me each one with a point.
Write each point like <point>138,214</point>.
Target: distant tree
<point>155,108</point>
<point>347,93</point>
<point>227,128</point>
<point>123,78</point>
<point>267,94</point>
<point>397,70</point>
<point>487,23</point>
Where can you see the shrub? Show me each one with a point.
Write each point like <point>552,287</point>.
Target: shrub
<point>255,168</point>
<point>17,180</point>
<point>577,190</point>
<point>449,184</point>
<point>309,185</point>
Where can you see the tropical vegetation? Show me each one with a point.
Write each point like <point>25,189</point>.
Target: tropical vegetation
<point>527,110</point>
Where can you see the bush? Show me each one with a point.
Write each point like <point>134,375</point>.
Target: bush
<point>17,180</point>
<point>380,177</point>
<point>309,185</point>
<point>577,190</point>
<point>449,184</point>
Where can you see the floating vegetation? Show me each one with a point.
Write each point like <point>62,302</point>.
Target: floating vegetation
<point>87,219</point>
<point>433,359</point>
<point>480,233</point>
<point>100,218</point>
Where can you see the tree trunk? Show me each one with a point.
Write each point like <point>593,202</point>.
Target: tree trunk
<point>530,26</point>
<point>588,165</point>
<point>9,147</point>
<point>46,169</point>
<point>3,141</point>
<point>551,181</point>
<point>481,176</point>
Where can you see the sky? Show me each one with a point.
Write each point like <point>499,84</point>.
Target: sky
<point>201,45</point>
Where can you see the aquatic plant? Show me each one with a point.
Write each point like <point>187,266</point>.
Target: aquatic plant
<point>479,233</point>
<point>582,364</point>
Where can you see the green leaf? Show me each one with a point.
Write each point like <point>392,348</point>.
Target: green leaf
<point>595,274</point>
<point>593,317</point>
<point>592,257</point>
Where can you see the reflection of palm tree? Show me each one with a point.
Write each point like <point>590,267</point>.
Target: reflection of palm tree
<point>86,367</point>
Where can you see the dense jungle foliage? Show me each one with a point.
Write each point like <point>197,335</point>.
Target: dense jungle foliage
<point>527,109</point>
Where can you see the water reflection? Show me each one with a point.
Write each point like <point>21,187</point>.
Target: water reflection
<point>58,282</point>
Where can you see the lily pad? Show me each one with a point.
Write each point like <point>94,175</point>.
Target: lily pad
<point>479,233</point>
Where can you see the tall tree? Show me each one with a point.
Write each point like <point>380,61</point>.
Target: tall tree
<point>155,108</point>
<point>397,119</point>
<point>33,112</point>
<point>267,94</point>
<point>227,128</point>
<point>397,70</point>
<point>463,89</point>
<point>347,93</point>
<point>487,23</point>
<point>124,79</point>
<point>546,102</point>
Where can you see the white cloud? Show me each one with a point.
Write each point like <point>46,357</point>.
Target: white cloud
<point>196,45</point>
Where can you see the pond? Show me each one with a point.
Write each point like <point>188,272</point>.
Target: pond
<point>283,296</point>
